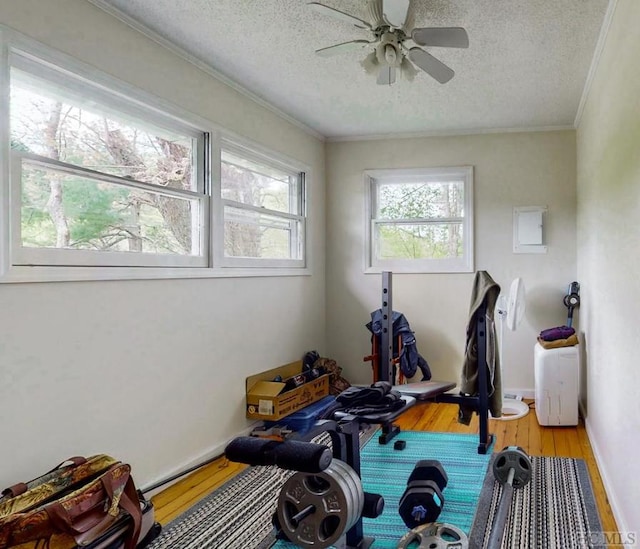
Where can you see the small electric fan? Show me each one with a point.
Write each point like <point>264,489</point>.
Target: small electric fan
<point>511,309</point>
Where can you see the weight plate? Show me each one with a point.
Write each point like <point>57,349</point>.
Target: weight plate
<point>429,469</point>
<point>335,497</point>
<point>437,535</point>
<point>421,503</point>
<point>512,457</point>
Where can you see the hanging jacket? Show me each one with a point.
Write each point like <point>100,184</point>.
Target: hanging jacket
<point>485,289</point>
<point>410,359</point>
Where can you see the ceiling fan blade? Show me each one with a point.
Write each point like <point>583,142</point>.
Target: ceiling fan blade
<point>332,12</point>
<point>342,48</point>
<point>445,37</point>
<point>429,64</point>
<point>387,75</point>
<point>395,12</point>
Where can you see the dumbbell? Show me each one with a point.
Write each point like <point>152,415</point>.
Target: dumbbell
<point>422,501</point>
<point>512,469</point>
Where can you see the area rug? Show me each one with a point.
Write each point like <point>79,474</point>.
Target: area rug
<point>385,471</point>
<point>238,515</point>
<point>556,509</point>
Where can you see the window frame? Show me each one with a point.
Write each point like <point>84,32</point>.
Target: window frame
<point>160,111</point>
<point>55,257</point>
<point>373,178</point>
<point>252,152</point>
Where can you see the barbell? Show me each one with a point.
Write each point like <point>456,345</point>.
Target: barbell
<point>512,469</point>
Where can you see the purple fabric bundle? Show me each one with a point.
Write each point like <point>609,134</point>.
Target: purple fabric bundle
<point>559,332</point>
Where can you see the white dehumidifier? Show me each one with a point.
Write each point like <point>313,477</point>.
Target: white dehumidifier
<point>557,374</point>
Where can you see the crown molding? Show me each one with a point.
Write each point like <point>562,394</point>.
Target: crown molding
<point>447,133</point>
<point>200,64</point>
<point>595,61</point>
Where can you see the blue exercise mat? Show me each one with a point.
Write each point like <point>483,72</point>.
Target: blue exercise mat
<point>385,471</point>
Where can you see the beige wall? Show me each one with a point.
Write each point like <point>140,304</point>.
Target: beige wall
<point>150,371</point>
<point>519,169</point>
<point>608,152</point>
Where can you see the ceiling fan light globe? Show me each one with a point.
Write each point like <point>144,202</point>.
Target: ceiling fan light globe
<point>390,55</point>
<point>370,63</point>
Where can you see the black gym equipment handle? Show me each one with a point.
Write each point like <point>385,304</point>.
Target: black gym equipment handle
<point>500,522</point>
<point>292,455</point>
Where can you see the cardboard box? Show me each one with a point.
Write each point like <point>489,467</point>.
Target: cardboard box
<point>265,399</point>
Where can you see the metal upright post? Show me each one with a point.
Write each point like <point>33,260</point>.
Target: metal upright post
<point>483,381</point>
<point>386,339</point>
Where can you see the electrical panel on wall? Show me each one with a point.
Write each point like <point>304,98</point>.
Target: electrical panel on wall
<point>528,230</point>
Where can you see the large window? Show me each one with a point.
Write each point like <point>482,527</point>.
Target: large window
<point>420,220</point>
<point>100,180</point>
<point>96,180</point>
<point>262,209</point>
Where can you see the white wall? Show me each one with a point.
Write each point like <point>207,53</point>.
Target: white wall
<point>608,175</point>
<point>151,372</point>
<point>519,169</point>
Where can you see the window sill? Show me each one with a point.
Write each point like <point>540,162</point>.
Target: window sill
<point>417,269</point>
<point>23,274</point>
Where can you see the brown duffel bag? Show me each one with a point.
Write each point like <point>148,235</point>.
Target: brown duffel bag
<point>70,506</point>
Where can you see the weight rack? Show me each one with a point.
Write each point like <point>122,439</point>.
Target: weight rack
<point>386,369</point>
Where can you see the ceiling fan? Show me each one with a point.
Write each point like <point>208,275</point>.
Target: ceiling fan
<point>396,41</point>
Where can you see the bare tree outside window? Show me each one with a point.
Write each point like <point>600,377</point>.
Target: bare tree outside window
<point>261,208</point>
<point>65,210</point>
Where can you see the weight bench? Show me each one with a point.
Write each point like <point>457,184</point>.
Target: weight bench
<point>298,454</point>
<point>432,391</point>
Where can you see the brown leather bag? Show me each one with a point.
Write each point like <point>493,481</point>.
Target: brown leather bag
<point>49,515</point>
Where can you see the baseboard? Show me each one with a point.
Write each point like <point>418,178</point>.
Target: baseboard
<point>608,488</point>
<point>212,452</point>
<point>524,393</point>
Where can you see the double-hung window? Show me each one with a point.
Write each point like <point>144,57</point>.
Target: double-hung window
<point>99,178</point>
<point>262,209</point>
<point>420,220</point>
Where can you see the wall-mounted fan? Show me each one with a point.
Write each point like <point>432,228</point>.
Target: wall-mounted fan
<point>511,309</point>
<point>395,41</point>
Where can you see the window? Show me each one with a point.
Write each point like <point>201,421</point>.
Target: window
<point>420,220</point>
<point>97,180</point>
<point>263,221</point>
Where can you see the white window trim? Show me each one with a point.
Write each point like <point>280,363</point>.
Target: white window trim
<point>11,40</point>
<point>462,265</point>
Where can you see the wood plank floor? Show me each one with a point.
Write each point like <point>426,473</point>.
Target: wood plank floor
<point>524,432</point>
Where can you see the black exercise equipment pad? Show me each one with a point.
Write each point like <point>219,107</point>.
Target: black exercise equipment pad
<point>375,419</point>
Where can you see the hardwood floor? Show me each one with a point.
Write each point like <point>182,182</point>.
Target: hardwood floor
<point>524,432</point>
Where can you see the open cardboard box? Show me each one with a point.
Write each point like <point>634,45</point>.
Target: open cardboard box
<point>266,401</point>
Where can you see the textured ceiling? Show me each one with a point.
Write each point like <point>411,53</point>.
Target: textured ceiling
<point>526,65</point>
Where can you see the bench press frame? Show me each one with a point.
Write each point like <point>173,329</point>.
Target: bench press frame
<point>386,366</point>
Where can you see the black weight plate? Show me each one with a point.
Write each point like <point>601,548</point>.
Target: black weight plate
<point>512,457</point>
<point>429,469</point>
<point>428,496</point>
<point>428,484</point>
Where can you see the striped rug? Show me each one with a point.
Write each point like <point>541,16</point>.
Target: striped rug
<point>556,509</point>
